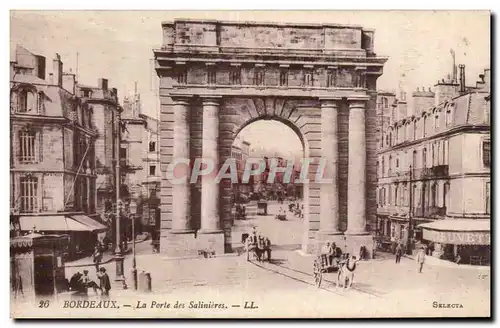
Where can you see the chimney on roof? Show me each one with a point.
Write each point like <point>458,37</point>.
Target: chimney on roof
<point>58,70</point>
<point>69,82</point>
<point>102,84</point>
<point>462,78</point>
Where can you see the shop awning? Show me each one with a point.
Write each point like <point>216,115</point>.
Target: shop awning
<point>93,224</point>
<point>51,223</point>
<point>458,232</point>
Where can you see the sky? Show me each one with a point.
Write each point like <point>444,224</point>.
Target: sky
<point>118,44</point>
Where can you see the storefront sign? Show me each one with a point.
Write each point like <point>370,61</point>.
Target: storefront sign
<point>458,237</point>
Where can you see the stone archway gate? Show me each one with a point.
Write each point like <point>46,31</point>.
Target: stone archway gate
<point>217,77</point>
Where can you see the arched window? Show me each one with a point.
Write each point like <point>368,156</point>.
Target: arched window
<point>424,158</point>
<point>22,104</point>
<point>390,165</point>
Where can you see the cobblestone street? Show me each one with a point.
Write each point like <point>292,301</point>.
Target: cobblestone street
<point>381,287</point>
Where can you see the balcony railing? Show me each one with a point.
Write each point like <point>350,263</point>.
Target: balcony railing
<point>435,172</point>
<point>126,164</point>
<point>429,211</point>
<point>399,175</point>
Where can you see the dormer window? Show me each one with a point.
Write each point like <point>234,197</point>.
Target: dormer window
<point>26,101</point>
<point>449,114</point>
<point>87,94</point>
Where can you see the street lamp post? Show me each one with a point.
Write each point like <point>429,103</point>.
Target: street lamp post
<point>133,211</point>
<point>120,278</point>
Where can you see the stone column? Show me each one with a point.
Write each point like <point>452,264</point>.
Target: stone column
<point>356,235</point>
<point>181,197</point>
<point>329,197</point>
<point>210,152</point>
<point>356,180</point>
<point>211,236</point>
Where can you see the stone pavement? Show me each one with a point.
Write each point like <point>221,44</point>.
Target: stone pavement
<point>285,287</point>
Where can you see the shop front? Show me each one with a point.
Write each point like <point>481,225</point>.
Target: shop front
<point>462,241</point>
<point>83,231</point>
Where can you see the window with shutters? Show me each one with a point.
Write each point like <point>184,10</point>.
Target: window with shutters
<point>486,153</point>
<point>28,194</point>
<point>28,152</point>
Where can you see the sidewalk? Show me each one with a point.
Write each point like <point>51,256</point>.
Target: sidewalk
<point>431,260</point>
<point>106,257</point>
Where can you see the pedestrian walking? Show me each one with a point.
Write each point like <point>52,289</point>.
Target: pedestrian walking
<point>399,252</point>
<point>97,256</point>
<point>267,248</point>
<point>421,260</point>
<point>104,282</point>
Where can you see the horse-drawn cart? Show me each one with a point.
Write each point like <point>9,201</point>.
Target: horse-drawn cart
<point>321,266</point>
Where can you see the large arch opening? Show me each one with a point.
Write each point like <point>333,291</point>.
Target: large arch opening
<point>275,141</point>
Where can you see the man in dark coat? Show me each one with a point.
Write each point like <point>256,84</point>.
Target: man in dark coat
<point>399,253</point>
<point>105,284</point>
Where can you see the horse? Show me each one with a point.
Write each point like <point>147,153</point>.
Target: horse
<point>346,273</point>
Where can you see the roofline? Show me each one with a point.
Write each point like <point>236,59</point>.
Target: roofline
<point>263,23</point>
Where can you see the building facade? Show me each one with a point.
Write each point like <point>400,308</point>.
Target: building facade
<point>218,77</point>
<point>240,151</point>
<point>139,155</point>
<point>53,145</point>
<point>104,104</point>
<point>434,165</point>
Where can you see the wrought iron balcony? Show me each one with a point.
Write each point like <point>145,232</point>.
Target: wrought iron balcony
<point>435,172</point>
<point>429,211</point>
<point>127,165</point>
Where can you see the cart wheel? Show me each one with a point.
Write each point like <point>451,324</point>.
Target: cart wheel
<point>318,274</point>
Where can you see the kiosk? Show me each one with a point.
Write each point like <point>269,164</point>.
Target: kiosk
<point>37,265</point>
